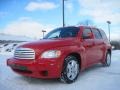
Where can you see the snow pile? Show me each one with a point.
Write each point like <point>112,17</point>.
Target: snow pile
<point>9,48</point>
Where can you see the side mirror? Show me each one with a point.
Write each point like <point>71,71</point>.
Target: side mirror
<point>88,36</point>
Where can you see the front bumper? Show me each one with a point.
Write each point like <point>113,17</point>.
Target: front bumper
<point>36,68</point>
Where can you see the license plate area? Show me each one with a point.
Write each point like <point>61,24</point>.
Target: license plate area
<point>15,66</point>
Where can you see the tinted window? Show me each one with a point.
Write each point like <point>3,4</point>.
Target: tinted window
<point>86,33</point>
<point>96,34</point>
<point>103,35</point>
<point>63,33</point>
<point>54,34</point>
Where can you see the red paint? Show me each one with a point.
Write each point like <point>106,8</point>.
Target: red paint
<point>90,50</point>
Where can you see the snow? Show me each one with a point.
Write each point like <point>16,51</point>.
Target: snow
<point>93,78</point>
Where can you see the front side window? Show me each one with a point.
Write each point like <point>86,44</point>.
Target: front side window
<point>86,33</point>
<point>63,33</point>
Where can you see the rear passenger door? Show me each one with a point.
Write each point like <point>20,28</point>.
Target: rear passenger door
<point>99,45</point>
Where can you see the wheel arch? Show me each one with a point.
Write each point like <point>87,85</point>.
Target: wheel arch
<point>78,56</point>
<point>109,51</point>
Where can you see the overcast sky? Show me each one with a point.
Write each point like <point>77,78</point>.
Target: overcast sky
<point>29,17</point>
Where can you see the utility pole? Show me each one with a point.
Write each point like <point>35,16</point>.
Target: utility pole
<point>109,29</point>
<point>63,12</point>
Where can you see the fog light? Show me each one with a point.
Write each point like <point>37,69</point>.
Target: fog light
<point>44,73</point>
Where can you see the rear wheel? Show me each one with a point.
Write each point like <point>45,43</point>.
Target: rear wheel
<point>107,60</point>
<point>71,70</point>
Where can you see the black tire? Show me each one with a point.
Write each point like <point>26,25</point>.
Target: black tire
<point>71,69</point>
<point>107,62</point>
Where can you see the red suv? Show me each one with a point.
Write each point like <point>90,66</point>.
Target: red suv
<point>63,53</point>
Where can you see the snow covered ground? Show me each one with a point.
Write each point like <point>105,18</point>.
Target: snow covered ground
<point>94,78</point>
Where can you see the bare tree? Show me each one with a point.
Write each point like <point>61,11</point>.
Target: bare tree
<point>86,22</point>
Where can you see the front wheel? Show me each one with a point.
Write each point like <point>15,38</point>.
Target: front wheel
<point>71,70</point>
<point>107,60</point>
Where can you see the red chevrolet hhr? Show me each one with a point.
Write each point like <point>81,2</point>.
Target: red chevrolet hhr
<point>62,53</point>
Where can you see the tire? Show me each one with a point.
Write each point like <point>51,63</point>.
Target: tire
<point>107,60</point>
<point>71,69</point>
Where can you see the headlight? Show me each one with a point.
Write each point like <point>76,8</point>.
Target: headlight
<point>51,54</point>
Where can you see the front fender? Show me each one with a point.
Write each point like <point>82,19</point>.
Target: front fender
<point>68,50</point>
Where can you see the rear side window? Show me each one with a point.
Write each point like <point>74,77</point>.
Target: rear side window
<point>97,34</point>
<point>103,35</point>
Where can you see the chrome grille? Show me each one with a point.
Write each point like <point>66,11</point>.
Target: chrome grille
<point>24,53</point>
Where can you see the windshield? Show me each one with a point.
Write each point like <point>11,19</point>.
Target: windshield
<point>62,33</point>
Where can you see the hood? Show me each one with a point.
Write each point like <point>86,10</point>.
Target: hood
<point>50,43</point>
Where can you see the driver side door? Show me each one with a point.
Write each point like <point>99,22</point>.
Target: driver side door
<point>89,46</point>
